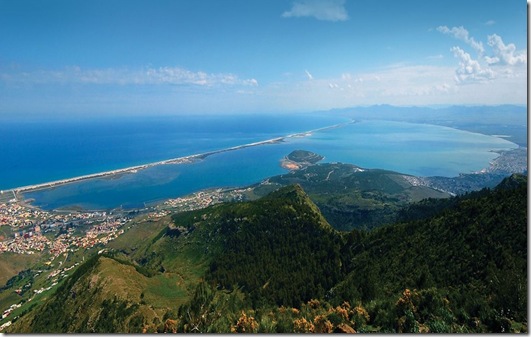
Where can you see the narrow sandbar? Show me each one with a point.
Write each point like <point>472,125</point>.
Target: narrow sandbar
<point>180,160</point>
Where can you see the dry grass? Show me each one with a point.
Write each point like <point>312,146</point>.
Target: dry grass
<point>11,264</point>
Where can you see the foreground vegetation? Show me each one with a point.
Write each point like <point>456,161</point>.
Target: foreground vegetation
<point>276,265</point>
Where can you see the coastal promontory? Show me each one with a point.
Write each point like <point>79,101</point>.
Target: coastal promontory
<point>299,159</point>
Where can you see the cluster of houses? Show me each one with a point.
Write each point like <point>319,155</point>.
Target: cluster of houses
<point>29,224</point>
<point>8,311</point>
<point>204,199</point>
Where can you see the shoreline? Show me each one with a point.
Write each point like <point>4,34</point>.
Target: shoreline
<point>18,191</point>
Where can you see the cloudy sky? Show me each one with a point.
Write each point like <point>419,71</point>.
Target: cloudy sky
<point>248,56</point>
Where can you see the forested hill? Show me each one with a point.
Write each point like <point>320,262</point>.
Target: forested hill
<point>283,252</point>
<point>469,262</point>
<point>276,265</point>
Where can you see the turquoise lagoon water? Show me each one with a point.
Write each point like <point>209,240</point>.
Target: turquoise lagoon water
<point>417,149</point>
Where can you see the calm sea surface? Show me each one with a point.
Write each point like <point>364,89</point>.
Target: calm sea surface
<point>39,152</point>
<point>49,151</point>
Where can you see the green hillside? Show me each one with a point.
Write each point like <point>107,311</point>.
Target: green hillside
<point>151,270</point>
<point>303,156</point>
<point>276,265</point>
<point>472,256</point>
<point>352,197</point>
<point>280,250</point>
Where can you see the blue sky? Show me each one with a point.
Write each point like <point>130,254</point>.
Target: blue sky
<point>247,56</point>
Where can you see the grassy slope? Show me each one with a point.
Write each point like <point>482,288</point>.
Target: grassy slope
<point>131,274</point>
<point>80,303</point>
<point>174,264</point>
<point>11,264</point>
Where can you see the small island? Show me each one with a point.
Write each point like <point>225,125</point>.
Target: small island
<point>299,159</point>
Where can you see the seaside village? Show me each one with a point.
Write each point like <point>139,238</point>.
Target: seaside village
<point>26,230</point>
<point>29,227</point>
<point>54,235</point>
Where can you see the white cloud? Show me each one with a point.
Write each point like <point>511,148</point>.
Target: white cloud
<point>171,90</point>
<point>346,76</point>
<point>482,69</point>
<point>505,54</point>
<point>327,10</point>
<point>310,77</point>
<point>469,69</point>
<point>252,82</point>
<point>179,76</point>
<point>490,23</point>
<point>435,57</point>
<point>392,85</point>
<point>146,76</point>
<point>462,34</point>
<point>491,60</point>
<point>403,85</point>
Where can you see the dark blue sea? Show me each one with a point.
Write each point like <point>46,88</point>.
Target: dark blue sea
<point>47,150</point>
<point>51,150</point>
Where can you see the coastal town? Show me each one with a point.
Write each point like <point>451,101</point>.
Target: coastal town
<point>34,230</point>
<point>31,230</point>
<point>204,199</point>
<point>54,236</point>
